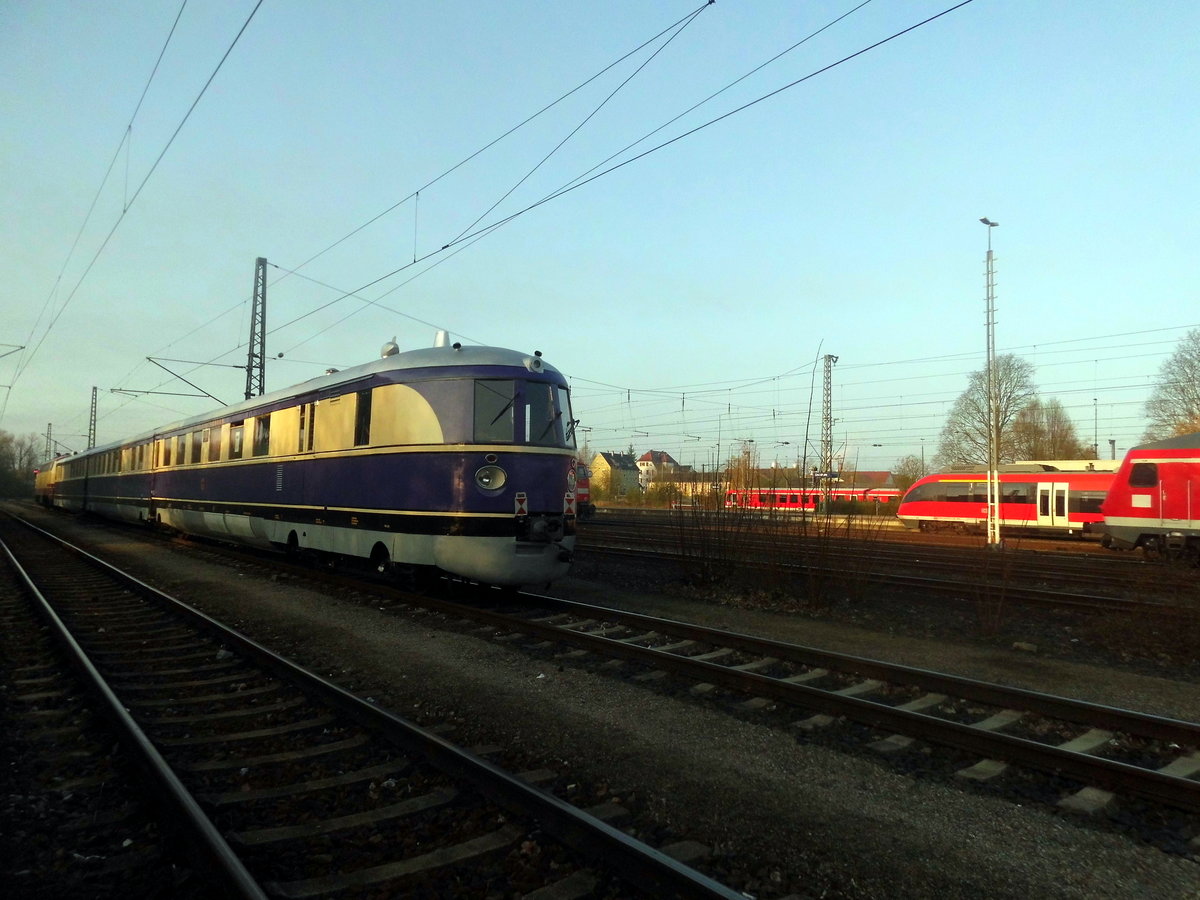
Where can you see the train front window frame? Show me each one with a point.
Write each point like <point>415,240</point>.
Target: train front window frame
<point>562,400</point>
<point>494,414</point>
<point>1143,475</point>
<point>543,422</point>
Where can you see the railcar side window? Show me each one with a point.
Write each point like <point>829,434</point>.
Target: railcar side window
<point>494,402</point>
<point>214,443</point>
<point>362,419</point>
<point>262,435</point>
<point>181,450</point>
<point>197,443</point>
<point>1017,493</point>
<point>1086,501</point>
<point>307,411</point>
<point>1143,475</point>
<point>236,433</point>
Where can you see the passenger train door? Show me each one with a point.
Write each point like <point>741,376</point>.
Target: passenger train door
<point>1052,504</point>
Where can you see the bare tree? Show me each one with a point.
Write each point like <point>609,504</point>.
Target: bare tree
<point>1043,430</point>
<point>964,437</point>
<point>1174,405</point>
<point>907,470</point>
<point>19,454</point>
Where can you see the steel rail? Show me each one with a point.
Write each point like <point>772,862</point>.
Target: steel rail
<point>642,865</point>
<point>1080,711</point>
<point>203,842</point>
<point>1086,603</point>
<point>1165,789</point>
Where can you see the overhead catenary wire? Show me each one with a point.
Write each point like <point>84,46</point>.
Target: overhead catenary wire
<point>487,229</point>
<point>578,183</point>
<point>131,200</point>
<point>356,293</point>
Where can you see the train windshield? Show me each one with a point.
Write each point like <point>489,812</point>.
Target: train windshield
<point>525,412</point>
<point>548,415</point>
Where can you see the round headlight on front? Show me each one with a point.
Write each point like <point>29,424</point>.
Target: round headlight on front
<point>491,478</point>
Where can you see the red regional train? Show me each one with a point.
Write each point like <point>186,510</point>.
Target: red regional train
<point>1056,497</point>
<point>809,499</point>
<point>1154,501</point>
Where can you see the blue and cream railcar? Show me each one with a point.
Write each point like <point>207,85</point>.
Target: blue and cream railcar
<point>459,458</point>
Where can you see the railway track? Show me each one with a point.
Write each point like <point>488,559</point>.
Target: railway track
<point>1083,756</point>
<point>1087,584</point>
<point>66,769</point>
<point>1098,756</point>
<point>295,788</point>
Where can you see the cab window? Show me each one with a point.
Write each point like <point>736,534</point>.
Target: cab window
<point>1143,475</point>
<point>494,417</point>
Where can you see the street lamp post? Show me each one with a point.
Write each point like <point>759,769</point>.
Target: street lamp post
<point>993,387</point>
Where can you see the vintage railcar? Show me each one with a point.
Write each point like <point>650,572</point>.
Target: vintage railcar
<point>1060,498</point>
<point>1154,501</point>
<point>458,458</point>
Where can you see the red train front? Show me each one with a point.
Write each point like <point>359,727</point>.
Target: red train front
<point>1154,501</point>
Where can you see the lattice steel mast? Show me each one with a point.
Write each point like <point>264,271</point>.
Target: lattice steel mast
<point>993,398</point>
<point>92,421</point>
<point>827,426</point>
<point>256,355</point>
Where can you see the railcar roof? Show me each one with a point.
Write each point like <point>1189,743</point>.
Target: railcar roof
<point>1179,442</point>
<point>424,358</point>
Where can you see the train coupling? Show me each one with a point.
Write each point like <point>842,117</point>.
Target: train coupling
<point>540,529</point>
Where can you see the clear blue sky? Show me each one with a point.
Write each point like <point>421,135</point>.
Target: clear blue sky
<point>688,293</point>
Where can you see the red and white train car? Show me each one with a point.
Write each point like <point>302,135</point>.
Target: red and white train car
<point>1154,501</point>
<point>1061,497</point>
<point>809,499</point>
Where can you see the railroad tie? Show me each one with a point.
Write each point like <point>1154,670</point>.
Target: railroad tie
<point>757,665</point>
<point>894,742</point>
<point>1090,801</point>
<point>824,720</point>
<point>987,769</point>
